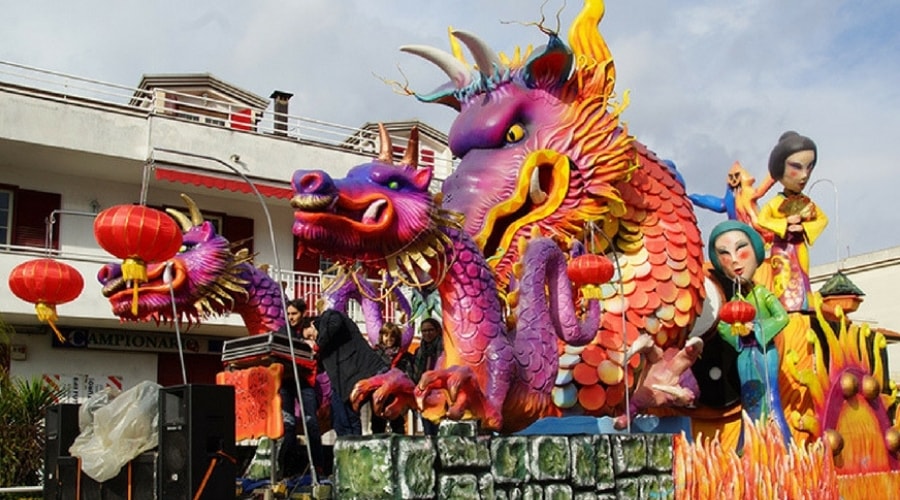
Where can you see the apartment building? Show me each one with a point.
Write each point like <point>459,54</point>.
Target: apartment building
<point>71,146</point>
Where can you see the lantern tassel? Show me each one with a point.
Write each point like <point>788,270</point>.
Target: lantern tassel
<point>133,269</point>
<point>134,300</point>
<point>46,313</point>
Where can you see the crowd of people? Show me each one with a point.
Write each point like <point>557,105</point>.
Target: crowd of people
<point>344,358</point>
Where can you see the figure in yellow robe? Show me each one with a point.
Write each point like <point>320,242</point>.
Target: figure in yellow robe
<point>794,219</point>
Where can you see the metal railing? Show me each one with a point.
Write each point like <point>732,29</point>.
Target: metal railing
<point>200,109</point>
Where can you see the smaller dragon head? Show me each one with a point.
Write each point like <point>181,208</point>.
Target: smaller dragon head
<point>381,216</point>
<point>205,275</point>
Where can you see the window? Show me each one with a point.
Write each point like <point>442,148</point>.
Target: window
<point>426,158</point>
<point>188,116</point>
<point>6,206</point>
<point>215,121</point>
<point>24,216</point>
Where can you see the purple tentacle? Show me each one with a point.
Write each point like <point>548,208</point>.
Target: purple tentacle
<point>540,321</point>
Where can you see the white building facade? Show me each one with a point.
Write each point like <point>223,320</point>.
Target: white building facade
<point>72,147</point>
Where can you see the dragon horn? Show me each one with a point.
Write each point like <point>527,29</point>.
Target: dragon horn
<point>411,157</point>
<point>455,69</point>
<point>182,219</point>
<point>196,217</point>
<point>484,56</point>
<point>386,154</point>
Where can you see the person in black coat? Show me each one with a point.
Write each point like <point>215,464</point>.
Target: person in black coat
<point>347,358</point>
<point>289,454</point>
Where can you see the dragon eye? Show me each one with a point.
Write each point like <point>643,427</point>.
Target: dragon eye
<point>515,134</point>
<point>393,185</point>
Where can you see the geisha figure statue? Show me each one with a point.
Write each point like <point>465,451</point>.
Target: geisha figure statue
<point>735,251</point>
<point>793,218</point>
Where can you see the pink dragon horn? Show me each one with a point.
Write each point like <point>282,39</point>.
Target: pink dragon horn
<point>455,69</point>
<point>484,56</point>
<point>411,158</point>
<point>386,154</point>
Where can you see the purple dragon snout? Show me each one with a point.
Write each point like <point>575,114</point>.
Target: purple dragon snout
<point>312,182</point>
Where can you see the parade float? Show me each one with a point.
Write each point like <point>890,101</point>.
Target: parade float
<point>592,349</point>
<point>547,171</point>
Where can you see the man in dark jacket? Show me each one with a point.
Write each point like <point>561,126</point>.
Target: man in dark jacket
<point>347,358</point>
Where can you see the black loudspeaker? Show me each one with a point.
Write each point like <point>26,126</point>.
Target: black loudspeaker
<point>74,484</point>
<point>136,480</point>
<point>61,429</point>
<point>196,442</point>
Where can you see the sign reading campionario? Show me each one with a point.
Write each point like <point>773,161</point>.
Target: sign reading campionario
<point>121,340</point>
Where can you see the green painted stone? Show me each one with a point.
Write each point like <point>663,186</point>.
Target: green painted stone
<point>532,492</point>
<point>660,452</point>
<point>415,458</point>
<point>558,491</point>
<point>649,486</point>
<point>583,453</point>
<point>509,459</point>
<point>458,487</point>
<point>486,486</point>
<point>666,487</point>
<point>629,453</point>
<point>605,475</point>
<point>550,459</point>
<point>584,495</point>
<point>629,488</point>
<point>363,468</point>
<point>466,428</point>
<point>458,452</point>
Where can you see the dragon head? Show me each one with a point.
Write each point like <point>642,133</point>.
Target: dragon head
<point>539,138</point>
<point>205,275</point>
<point>380,215</point>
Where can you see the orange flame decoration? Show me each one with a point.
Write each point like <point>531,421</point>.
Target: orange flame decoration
<point>768,469</point>
<point>854,446</point>
<point>850,405</point>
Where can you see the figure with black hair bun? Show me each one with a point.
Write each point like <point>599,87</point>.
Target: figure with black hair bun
<point>794,219</point>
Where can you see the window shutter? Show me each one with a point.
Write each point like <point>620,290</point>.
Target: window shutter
<point>32,208</point>
<point>238,229</point>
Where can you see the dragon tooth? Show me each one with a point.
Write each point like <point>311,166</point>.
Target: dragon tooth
<point>535,192</point>
<point>373,211</point>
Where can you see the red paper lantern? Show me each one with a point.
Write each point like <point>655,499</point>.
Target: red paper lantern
<point>590,269</point>
<point>46,283</point>
<point>737,311</point>
<point>138,235</point>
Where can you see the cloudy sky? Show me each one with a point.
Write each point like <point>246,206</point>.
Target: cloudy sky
<point>711,82</point>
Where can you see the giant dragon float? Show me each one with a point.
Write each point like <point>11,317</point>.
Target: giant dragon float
<point>547,172</point>
<point>548,179</point>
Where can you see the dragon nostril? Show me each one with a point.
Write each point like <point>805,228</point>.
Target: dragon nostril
<point>310,182</point>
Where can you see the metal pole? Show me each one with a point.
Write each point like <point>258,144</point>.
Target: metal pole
<point>592,227</point>
<point>837,221</point>
<point>262,202</point>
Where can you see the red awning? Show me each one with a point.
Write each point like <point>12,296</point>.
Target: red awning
<point>222,182</point>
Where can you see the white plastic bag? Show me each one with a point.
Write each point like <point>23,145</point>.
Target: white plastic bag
<point>121,430</point>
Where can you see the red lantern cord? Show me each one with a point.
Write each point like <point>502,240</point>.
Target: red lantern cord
<point>46,283</point>
<point>138,235</point>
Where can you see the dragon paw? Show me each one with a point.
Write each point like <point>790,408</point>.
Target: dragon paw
<point>391,394</point>
<point>454,393</point>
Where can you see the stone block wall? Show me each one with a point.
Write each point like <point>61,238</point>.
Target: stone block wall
<point>461,464</point>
